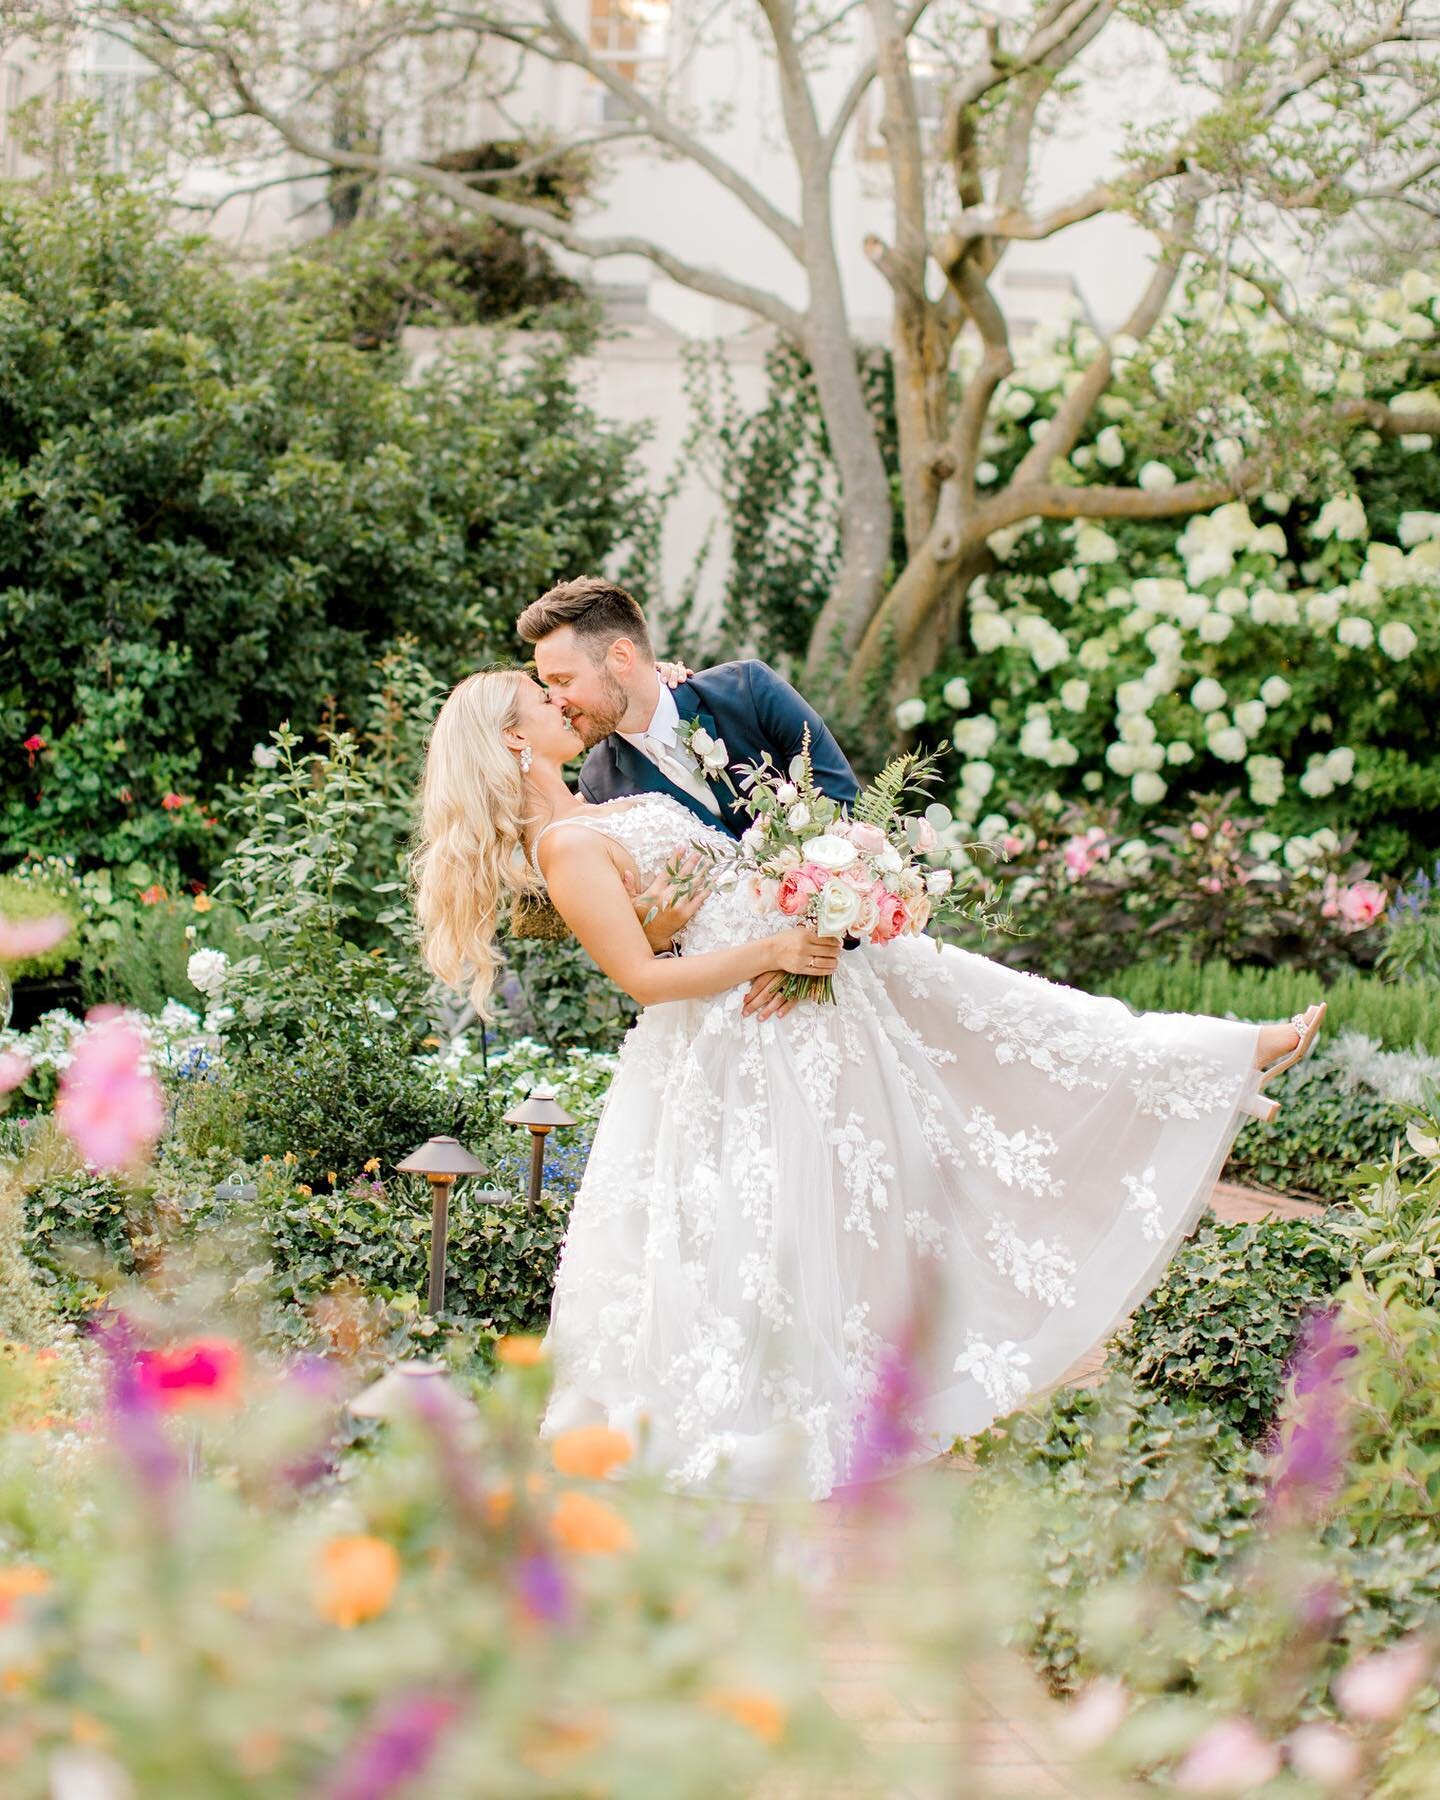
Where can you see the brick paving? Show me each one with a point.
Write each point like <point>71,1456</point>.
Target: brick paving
<point>990,1737</point>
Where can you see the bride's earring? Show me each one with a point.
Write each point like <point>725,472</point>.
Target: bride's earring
<point>527,756</point>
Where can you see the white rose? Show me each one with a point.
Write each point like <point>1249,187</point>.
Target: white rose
<point>1229,744</point>
<point>798,816</point>
<point>1156,478</point>
<point>1357,634</point>
<point>265,756</point>
<point>1075,694</point>
<point>829,852</point>
<point>1250,717</point>
<point>701,741</point>
<point>787,793</point>
<point>1342,517</point>
<point>1146,788</point>
<point>1397,639</point>
<point>206,969</point>
<point>956,693</point>
<point>975,737</point>
<point>1275,690</point>
<point>889,860</point>
<point>910,713</point>
<point>1215,628</point>
<point>938,881</point>
<point>1207,695</point>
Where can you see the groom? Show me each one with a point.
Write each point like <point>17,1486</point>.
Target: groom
<point>593,653</point>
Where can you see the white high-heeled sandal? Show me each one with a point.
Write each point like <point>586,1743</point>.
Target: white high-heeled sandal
<point>1307,1024</point>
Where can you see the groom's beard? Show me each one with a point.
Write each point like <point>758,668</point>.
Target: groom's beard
<point>603,718</point>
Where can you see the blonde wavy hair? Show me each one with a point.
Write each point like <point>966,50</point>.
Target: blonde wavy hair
<point>468,865</point>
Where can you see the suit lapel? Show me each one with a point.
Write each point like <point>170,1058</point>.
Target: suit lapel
<point>641,776</point>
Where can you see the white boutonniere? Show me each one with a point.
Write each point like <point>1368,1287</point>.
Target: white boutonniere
<point>710,752</point>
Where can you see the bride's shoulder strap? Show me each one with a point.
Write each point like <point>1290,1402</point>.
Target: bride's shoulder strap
<point>554,825</point>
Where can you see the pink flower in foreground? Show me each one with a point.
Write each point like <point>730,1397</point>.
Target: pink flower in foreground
<point>1230,1758</point>
<point>1361,904</point>
<point>23,938</point>
<point>1323,1754</point>
<point>14,1067</point>
<point>207,1369</point>
<point>1095,1714</point>
<point>1376,1689</point>
<point>110,1109</point>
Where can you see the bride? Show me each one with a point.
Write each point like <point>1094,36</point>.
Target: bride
<point>771,1205</point>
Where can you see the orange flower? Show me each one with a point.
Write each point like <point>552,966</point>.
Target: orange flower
<point>591,1451</point>
<point>757,1711</point>
<point>203,903</point>
<point>19,1582</point>
<point>355,1579</point>
<point>303,1187</point>
<point>172,802</point>
<point>371,1165</point>
<point>589,1527</point>
<point>152,895</point>
<point>521,1352</point>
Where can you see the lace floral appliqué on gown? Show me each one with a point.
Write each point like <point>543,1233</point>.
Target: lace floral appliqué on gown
<point>763,1202</point>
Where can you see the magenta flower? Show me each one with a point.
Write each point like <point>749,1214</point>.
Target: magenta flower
<point>134,1418</point>
<point>885,1433</point>
<point>108,1106</point>
<point>1310,1463</point>
<point>21,939</point>
<point>543,1591</point>
<point>395,1750</point>
<point>14,1067</point>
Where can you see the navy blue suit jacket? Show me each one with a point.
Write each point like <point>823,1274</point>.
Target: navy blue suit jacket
<point>754,710</point>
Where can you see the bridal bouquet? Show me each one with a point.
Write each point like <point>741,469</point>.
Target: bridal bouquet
<point>855,874</point>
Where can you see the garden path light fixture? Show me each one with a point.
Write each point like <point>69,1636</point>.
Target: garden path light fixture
<point>542,1113</point>
<point>441,1161</point>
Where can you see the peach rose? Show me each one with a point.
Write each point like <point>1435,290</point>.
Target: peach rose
<point>796,891</point>
<point>892,918</point>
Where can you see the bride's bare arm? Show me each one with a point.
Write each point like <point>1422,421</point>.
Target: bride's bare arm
<point>590,896</point>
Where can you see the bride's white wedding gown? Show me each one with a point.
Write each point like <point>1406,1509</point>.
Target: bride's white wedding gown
<point>764,1204</point>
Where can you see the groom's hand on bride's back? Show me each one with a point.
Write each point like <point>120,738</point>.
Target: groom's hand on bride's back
<point>663,913</point>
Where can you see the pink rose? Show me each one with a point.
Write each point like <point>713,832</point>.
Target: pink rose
<point>1082,853</point>
<point>813,872</point>
<point>796,892</point>
<point>1361,904</point>
<point>891,918</point>
<point>926,837</point>
<point>869,840</point>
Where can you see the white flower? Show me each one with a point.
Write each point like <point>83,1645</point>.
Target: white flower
<point>1156,478</point>
<point>1132,697</point>
<point>1215,628</point>
<point>1416,287</point>
<point>990,630</point>
<point>787,793</point>
<point>977,778</point>
<point>1270,538</point>
<point>1094,655</point>
<point>1075,694</point>
<point>1315,784</point>
<point>956,693</point>
<point>1342,517</point>
<point>1397,639</point>
<point>1417,527</point>
<point>1358,634</point>
<point>1146,788</point>
<point>1065,584</point>
<point>1267,784</point>
<point>1062,754</point>
<point>1179,753</point>
<point>1232,601</point>
<point>1164,640</point>
<point>1092,545</point>
<point>1016,403</point>
<point>1228,452</point>
<point>975,737</point>
<point>798,816</point>
<point>1207,695</point>
<point>985,473</point>
<point>1136,728</point>
<point>1340,765</point>
<point>910,713</point>
<point>1122,759</point>
<point>206,969</point>
<point>1269,608</point>
<point>1110,447</point>
<point>265,756</point>
<point>714,756</point>
<point>1229,744</point>
<point>1322,610</point>
<point>829,852</point>
<point>1035,736</point>
<point>1275,690</point>
<point>1250,717</point>
<point>838,909</point>
<point>937,881</point>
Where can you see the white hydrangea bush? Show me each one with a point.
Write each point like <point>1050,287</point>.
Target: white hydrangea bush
<point>1285,644</point>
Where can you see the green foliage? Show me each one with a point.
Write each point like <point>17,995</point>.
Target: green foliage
<point>216,511</point>
<point>1396,1016</point>
<point>547,991</point>
<point>1326,1129</point>
<point>80,1231</point>
<point>1221,1325</point>
<point>1412,940</point>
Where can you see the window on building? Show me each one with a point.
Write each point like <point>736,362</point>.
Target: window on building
<point>632,36</point>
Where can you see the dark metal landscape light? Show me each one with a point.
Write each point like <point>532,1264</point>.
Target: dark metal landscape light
<point>441,1161</point>
<point>542,1113</point>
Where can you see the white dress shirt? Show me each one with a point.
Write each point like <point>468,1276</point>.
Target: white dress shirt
<point>660,744</point>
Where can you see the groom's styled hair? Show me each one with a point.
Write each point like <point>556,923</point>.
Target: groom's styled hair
<point>596,609</point>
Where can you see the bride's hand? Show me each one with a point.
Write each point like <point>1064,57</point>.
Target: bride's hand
<point>802,951</point>
<point>673,673</point>
<point>663,911</point>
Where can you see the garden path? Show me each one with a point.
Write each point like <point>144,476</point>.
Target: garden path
<point>995,1736</point>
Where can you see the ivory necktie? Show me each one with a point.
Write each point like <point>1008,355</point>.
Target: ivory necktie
<point>669,761</point>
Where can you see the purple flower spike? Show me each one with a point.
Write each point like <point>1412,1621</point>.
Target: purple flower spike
<point>132,1415</point>
<point>396,1748</point>
<point>885,1435</point>
<point>543,1590</point>
<point>1310,1464</point>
